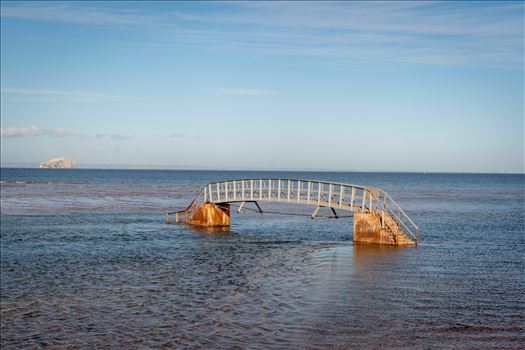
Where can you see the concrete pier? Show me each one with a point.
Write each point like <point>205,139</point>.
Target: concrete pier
<point>368,229</point>
<point>211,215</point>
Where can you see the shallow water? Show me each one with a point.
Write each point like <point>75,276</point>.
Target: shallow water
<point>88,262</point>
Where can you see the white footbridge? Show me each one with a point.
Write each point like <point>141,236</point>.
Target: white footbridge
<point>333,195</point>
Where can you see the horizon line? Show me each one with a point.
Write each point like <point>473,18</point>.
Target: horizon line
<point>196,168</point>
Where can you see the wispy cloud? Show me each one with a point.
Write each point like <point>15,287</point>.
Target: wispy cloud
<point>14,131</point>
<point>57,93</point>
<point>59,132</point>
<point>33,130</point>
<point>116,137</point>
<point>178,135</point>
<point>426,32</point>
<point>77,13</point>
<point>246,92</point>
<point>119,137</point>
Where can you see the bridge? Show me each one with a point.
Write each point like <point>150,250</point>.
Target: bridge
<point>377,217</point>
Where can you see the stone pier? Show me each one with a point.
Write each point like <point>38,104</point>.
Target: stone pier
<point>211,215</point>
<point>368,229</point>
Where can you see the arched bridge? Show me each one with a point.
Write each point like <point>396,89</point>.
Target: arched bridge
<point>376,214</point>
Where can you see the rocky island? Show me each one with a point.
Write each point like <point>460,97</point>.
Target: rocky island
<point>58,163</point>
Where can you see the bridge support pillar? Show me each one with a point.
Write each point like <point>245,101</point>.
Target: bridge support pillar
<point>209,215</point>
<point>368,228</point>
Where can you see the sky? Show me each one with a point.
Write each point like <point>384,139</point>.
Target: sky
<point>352,86</point>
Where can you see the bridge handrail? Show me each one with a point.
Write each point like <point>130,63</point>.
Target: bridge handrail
<point>397,218</point>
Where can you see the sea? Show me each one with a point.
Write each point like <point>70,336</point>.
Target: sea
<point>88,262</point>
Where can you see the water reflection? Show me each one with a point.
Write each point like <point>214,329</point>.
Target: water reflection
<point>371,259</point>
<point>210,230</point>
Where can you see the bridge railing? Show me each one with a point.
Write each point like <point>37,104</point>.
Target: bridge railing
<point>337,195</point>
<point>381,201</point>
<point>321,193</point>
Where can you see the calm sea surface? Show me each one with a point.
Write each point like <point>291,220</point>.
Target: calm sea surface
<point>87,261</point>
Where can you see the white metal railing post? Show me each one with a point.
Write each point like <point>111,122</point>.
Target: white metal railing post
<point>352,199</point>
<point>218,193</point>
<point>242,189</point>
<point>341,192</point>
<point>278,189</point>
<point>251,189</point>
<point>319,188</point>
<point>260,189</point>
<point>330,195</point>
<point>269,189</point>
<point>298,191</point>
<point>234,190</point>
<point>288,194</point>
<point>308,192</point>
<point>363,202</point>
<point>226,190</point>
<point>205,193</point>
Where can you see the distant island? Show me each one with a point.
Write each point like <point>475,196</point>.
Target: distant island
<point>58,163</point>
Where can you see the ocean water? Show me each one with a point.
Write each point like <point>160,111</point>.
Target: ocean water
<point>87,261</point>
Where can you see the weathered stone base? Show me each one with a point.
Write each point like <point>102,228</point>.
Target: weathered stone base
<point>210,215</point>
<point>367,229</point>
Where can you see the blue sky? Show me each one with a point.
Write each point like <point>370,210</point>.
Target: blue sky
<point>399,86</point>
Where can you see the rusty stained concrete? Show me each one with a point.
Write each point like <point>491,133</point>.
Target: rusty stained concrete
<point>367,229</point>
<point>367,226</point>
<point>211,215</point>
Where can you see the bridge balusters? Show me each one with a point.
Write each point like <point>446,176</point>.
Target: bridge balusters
<point>308,188</point>
<point>329,194</point>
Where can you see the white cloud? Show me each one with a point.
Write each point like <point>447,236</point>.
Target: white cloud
<point>178,135</point>
<point>87,96</point>
<point>59,132</point>
<point>424,32</point>
<point>34,130</point>
<point>119,137</point>
<point>75,14</point>
<point>14,131</point>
